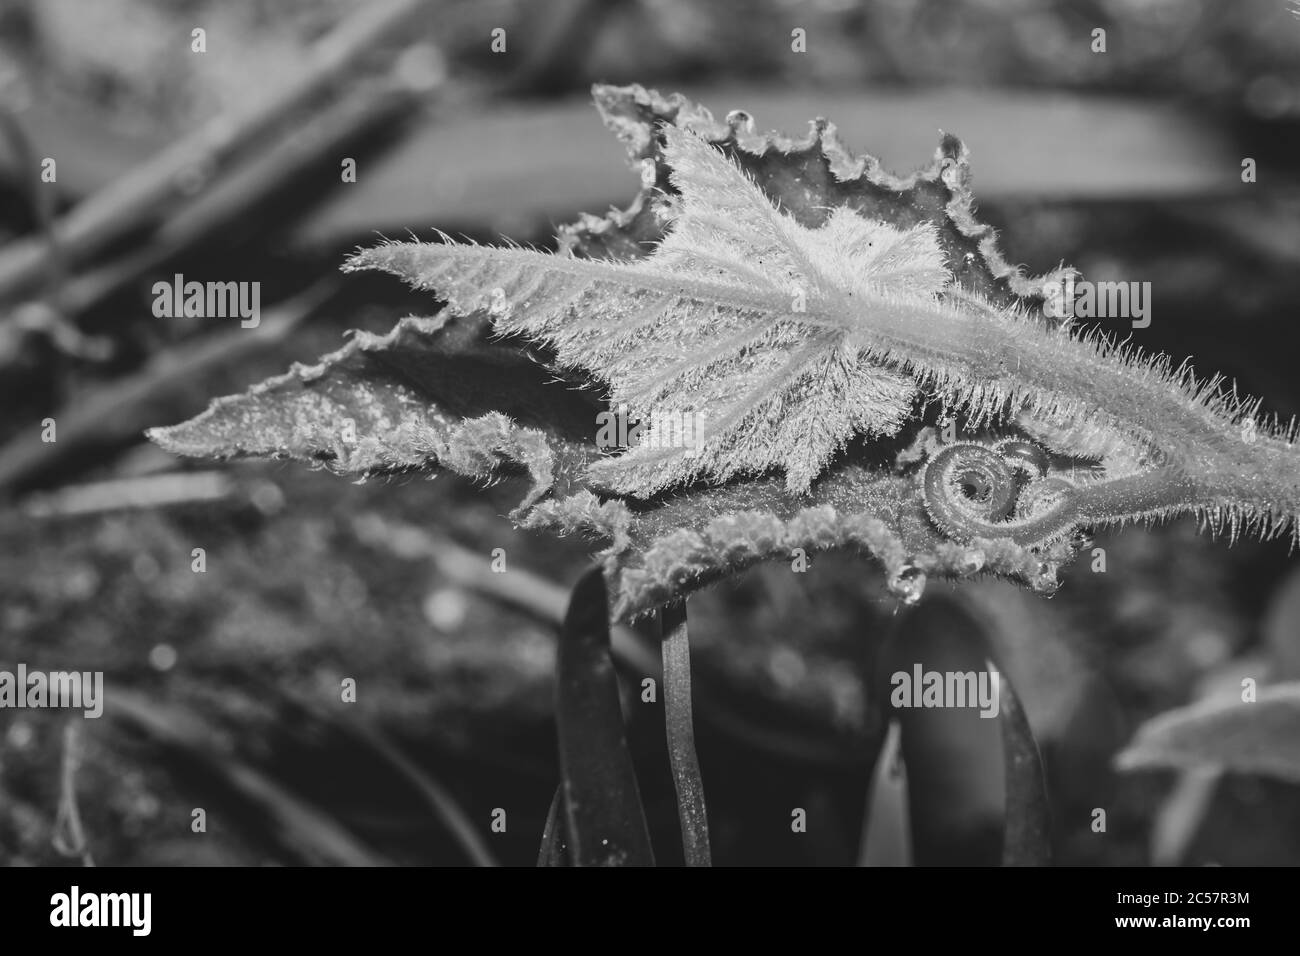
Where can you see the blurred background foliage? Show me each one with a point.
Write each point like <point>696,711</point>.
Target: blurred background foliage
<point>1125,164</point>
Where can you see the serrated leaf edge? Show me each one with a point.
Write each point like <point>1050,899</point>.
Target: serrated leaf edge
<point>950,166</point>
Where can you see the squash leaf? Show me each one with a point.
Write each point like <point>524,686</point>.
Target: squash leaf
<point>772,319</point>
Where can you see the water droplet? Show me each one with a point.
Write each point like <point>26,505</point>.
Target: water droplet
<point>740,121</point>
<point>500,307</point>
<point>267,497</point>
<point>162,657</point>
<point>908,585</point>
<point>1044,580</point>
<point>649,174</point>
<point>446,609</point>
<point>80,582</point>
<point>20,735</point>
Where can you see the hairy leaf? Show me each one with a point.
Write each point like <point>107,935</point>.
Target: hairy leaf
<point>736,342</point>
<point>772,322</point>
<point>428,393</point>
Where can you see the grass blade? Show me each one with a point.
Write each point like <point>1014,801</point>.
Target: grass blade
<point>887,831</point>
<point>553,849</point>
<point>1027,838</point>
<point>604,820</point>
<point>436,796</point>
<point>298,825</point>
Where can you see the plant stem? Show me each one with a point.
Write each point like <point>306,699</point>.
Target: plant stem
<point>681,735</point>
<point>633,651</point>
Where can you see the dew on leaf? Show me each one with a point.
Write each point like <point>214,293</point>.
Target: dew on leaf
<point>908,584</point>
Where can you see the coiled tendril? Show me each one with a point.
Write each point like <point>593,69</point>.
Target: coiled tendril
<point>1003,491</point>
